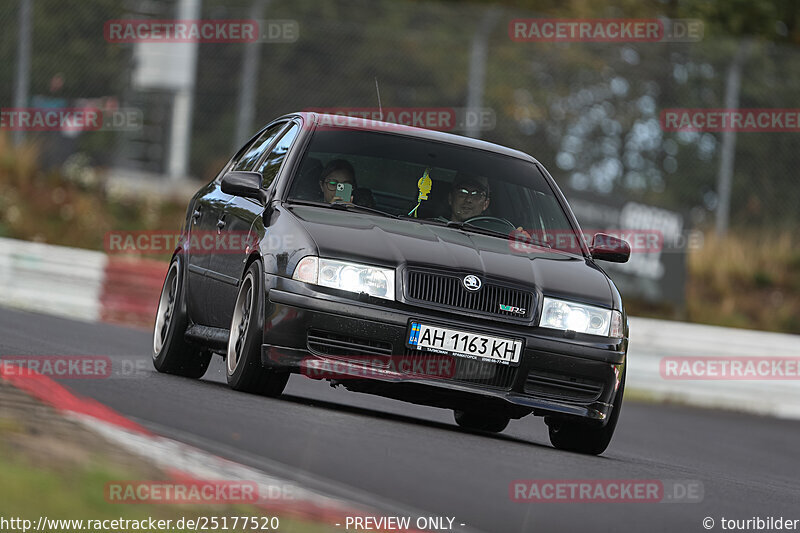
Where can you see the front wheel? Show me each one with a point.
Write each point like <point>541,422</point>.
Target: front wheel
<point>576,437</point>
<point>171,353</point>
<point>475,421</point>
<point>243,358</point>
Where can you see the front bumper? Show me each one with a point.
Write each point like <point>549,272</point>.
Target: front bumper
<point>557,375</point>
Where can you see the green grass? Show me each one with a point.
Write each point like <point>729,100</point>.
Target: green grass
<point>76,490</point>
<point>63,490</point>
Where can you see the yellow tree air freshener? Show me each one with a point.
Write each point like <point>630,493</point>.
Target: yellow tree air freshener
<point>424,185</point>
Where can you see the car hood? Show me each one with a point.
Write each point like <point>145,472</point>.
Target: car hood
<point>385,241</point>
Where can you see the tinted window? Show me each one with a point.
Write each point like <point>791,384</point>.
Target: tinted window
<point>249,159</point>
<point>269,168</point>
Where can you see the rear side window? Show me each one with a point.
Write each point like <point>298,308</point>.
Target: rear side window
<point>270,167</point>
<point>254,152</point>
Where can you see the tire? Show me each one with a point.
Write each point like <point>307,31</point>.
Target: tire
<point>171,353</point>
<point>580,438</point>
<point>481,421</point>
<point>243,359</point>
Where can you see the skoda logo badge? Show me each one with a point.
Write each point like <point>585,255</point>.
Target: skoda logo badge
<point>472,283</point>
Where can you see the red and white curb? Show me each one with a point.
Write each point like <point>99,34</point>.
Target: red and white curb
<point>182,461</point>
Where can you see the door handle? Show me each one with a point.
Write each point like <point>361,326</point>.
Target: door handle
<point>195,215</point>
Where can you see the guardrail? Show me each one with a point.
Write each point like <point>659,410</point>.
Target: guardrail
<point>89,285</point>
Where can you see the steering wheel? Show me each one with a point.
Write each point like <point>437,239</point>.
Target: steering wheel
<point>491,221</point>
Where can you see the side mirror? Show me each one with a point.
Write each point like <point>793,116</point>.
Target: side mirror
<point>606,247</point>
<point>244,184</point>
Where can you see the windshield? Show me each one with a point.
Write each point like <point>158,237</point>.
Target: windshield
<point>431,182</point>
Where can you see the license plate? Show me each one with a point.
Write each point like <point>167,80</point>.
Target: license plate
<point>465,344</point>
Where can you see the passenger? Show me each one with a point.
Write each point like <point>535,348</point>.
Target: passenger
<point>336,172</point>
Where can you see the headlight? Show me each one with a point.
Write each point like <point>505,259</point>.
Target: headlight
<point>353,277</point>
<point>571,316</point>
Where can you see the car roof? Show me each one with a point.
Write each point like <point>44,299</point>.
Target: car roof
<point>410,131</point>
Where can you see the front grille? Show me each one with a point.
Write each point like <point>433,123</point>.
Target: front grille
<point>489,375</point>
<point>330,343</point>
<point>560,387</point>
<point>447,290</point>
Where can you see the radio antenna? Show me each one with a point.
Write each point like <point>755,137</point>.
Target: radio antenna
<point>377,90</point>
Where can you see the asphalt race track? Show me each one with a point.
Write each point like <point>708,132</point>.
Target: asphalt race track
<point>368,447</point>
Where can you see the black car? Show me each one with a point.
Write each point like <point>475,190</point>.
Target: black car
<point>408,263</point>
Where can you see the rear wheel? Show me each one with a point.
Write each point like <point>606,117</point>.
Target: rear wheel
<point>577,437</point>
<point>243,359</point>
<point>476,421</point>
<point>171,353</point>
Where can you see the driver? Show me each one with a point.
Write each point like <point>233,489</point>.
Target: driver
<point>469,197</point>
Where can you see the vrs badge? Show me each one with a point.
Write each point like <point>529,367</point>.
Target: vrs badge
<point>512,309</point>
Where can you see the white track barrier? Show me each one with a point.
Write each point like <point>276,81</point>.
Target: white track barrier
<point>73,283</point>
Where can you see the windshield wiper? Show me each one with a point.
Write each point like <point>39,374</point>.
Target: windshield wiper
<point>353,207</point>
<point>345,206</point>
<point>534,241</point>
<point>466,226</point>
